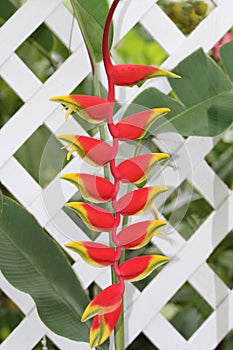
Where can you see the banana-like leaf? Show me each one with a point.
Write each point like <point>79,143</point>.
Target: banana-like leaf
<point>91,17</point>
<point>226,52</point>
<point>205,96</point>
<point>1,203</point>
<point>33,263</point>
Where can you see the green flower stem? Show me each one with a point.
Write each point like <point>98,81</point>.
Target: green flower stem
<point>116,278</point>
<point>103,137</point>
<point>119,333</point>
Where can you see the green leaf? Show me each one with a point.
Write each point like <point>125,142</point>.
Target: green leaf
<point>1,202</point>
<point>7,10</point>
<point>33,263</point>
<point>41,156</point>
<point>201,79</point>
<point>226,53</point>
<point>205,96</point>
<point>91,17</point>
<point>44,38</point>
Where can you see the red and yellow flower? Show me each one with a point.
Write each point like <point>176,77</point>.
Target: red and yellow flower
<point>135,202</point>
<point>96,254</point>
<point>136,169</point>
<point>102,326</point>
<point>106,307</point>
<point>93,151</point>
<point>106,301</point>
<point>94,217</point>
<point>91,108</point>
<point>131,74</point>
<point>140,267</point>
<point>95,189</point>
<point>137,235</point>
<point>135,126</point>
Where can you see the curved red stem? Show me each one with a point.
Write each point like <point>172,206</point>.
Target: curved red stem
<point>105,44</point>
<point>111,126</point>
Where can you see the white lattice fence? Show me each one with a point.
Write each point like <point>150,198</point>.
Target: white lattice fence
<point>189,257</point>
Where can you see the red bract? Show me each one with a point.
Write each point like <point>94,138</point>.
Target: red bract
<point>135,202</point>
<point>106,306</point>
<point>106,301</point>
<point>136,169</point>
<point>131,74</point>
<point>91,108</point>
<point>92,188</point>
<point>93,151</point>
<point>95,218</point>
<point>140,267</point>
<point>138,235</point>
<point>227,37</point>
<point>135,126</point>
<point>102,326</point>
<point>93,253</point>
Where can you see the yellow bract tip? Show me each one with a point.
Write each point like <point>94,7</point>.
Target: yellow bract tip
<point>73,177</point>
<point>161,110</point>
<point>61,99</point>
<point>173,75</point>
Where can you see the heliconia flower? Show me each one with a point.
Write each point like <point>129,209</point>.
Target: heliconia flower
<point>135,202</point>
<point>135,126</point>
<point>140,267</point>
<point>91,108</point>
<point>136,169</point>
<point>138,235</point>
<point>93,151</point>
<point>227,37</point>
<point>102,326</point>
<point>131,74</point>
<point>106,301</point>
<point>96,254</point>
<point>93,188</point>
<point>95,218</point>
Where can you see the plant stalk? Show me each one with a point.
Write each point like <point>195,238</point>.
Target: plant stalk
<point>116,277</point>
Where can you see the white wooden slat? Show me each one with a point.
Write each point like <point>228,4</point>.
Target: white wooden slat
<point>26,20</point>
<point>30,115</point>
<point>160,26</point>
<point>70,35</point>
<point>214,329</point>
<point>209,184</point>
<point>21,299</point>
<point>209,285</point>
<point>206,238</point>
<point>16,179</point>
<point>8,72</point>
<point>67,344</point>
<point>204,280</point>
<point>62,225</point>
<point>195,40</point>
<point>26,335</point>
<point>127,15</point>
<point>157,331</point>
<point>216,25</point>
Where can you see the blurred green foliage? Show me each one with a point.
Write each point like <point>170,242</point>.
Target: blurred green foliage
<point>220,158</point>
<point>10,316</point>
<point>139,47</point>
<point>186,14</point>
<point>189,310</point>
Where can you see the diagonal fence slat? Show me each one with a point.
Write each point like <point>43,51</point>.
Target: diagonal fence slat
<point>26,20</point>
